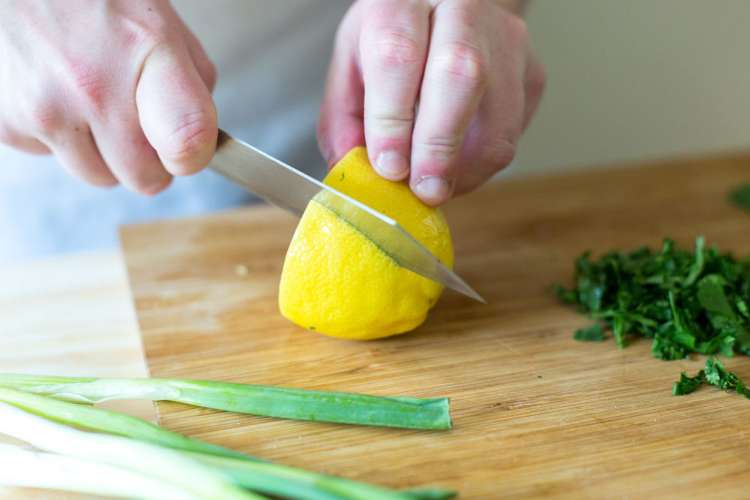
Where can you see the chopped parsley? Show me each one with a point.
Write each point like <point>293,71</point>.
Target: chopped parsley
<point>685,301</point>
<point>714,374</point>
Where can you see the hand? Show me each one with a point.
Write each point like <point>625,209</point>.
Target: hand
<point>439,90</point>
<point>118,90</point>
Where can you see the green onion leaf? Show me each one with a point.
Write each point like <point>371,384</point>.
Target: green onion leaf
<point>279,480</point>
<point>299,404</point>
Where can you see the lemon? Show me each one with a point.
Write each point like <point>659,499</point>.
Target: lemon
<point>337,282</point>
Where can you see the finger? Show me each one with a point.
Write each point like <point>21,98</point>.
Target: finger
<point>77,152</point>
<point>454,82</point>
<point>393,49</point>
<point>22,142</point>
<point>512,95</point>
<point>203,64</point>
<point>341,112</point>
<point>176,111</point>
<point>126,151</point>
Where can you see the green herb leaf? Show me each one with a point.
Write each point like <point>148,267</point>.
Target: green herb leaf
<point>719,376</point>
<point>686,301</point>
<point>712,296</point>
<point>688,384</point>
<point>714,374</point>
<point>594,333</point>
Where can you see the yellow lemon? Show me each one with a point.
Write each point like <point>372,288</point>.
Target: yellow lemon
<point>337,282</point>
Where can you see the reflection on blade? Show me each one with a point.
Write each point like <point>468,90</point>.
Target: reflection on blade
<point>393,240</point>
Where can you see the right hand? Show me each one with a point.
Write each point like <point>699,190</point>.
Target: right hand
<point>118,90</point>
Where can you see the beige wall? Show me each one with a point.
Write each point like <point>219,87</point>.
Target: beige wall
<point>638,79</point>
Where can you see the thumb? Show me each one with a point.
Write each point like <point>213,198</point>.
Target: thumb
<point>176,112</point>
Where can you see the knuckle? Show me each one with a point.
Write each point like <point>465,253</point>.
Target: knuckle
<point>89,83</point>
<point>441,148</point>
<point>397,49</point>
<point>390,125</point>
<point>146,35</point>
<point>516,28</point>
<point>195,134</point>
<point>463,62</point>
<point>44,117</point>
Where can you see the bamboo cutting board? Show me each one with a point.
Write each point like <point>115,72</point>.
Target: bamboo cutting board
<point>535,412</point>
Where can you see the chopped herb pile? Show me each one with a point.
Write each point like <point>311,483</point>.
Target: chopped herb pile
<point>686,301</point>
<point>713,374</point>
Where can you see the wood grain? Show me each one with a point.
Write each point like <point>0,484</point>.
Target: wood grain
<point>536,413</point>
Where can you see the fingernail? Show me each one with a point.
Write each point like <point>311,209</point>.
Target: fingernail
<point>433,190</point>
<point>392,165</point>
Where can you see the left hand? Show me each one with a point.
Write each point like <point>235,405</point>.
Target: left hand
<point>439,90</point>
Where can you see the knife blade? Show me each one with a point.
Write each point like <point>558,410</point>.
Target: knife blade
<point>292,190</point>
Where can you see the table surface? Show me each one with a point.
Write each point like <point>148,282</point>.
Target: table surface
<point>74,315</point>
<point>535,413</point>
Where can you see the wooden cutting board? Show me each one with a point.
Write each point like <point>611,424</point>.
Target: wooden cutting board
<point>535,412</point>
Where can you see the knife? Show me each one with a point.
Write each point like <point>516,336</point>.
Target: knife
<point>290,189</point>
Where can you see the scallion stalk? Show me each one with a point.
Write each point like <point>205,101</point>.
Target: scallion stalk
<point>282,402</point>
<point>275,479</point>
<point>245,471</point>
<point>111,422</point>
<point>152,461</point>
<point>24,467</point>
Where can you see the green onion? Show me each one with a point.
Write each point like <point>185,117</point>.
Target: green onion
<point>291,482</point>
<point>299,404</point>
<point>151,461</point>
<point>28,468</point>
<point>111,422</point>
<point>431,493</point>
<point>241,469</point>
